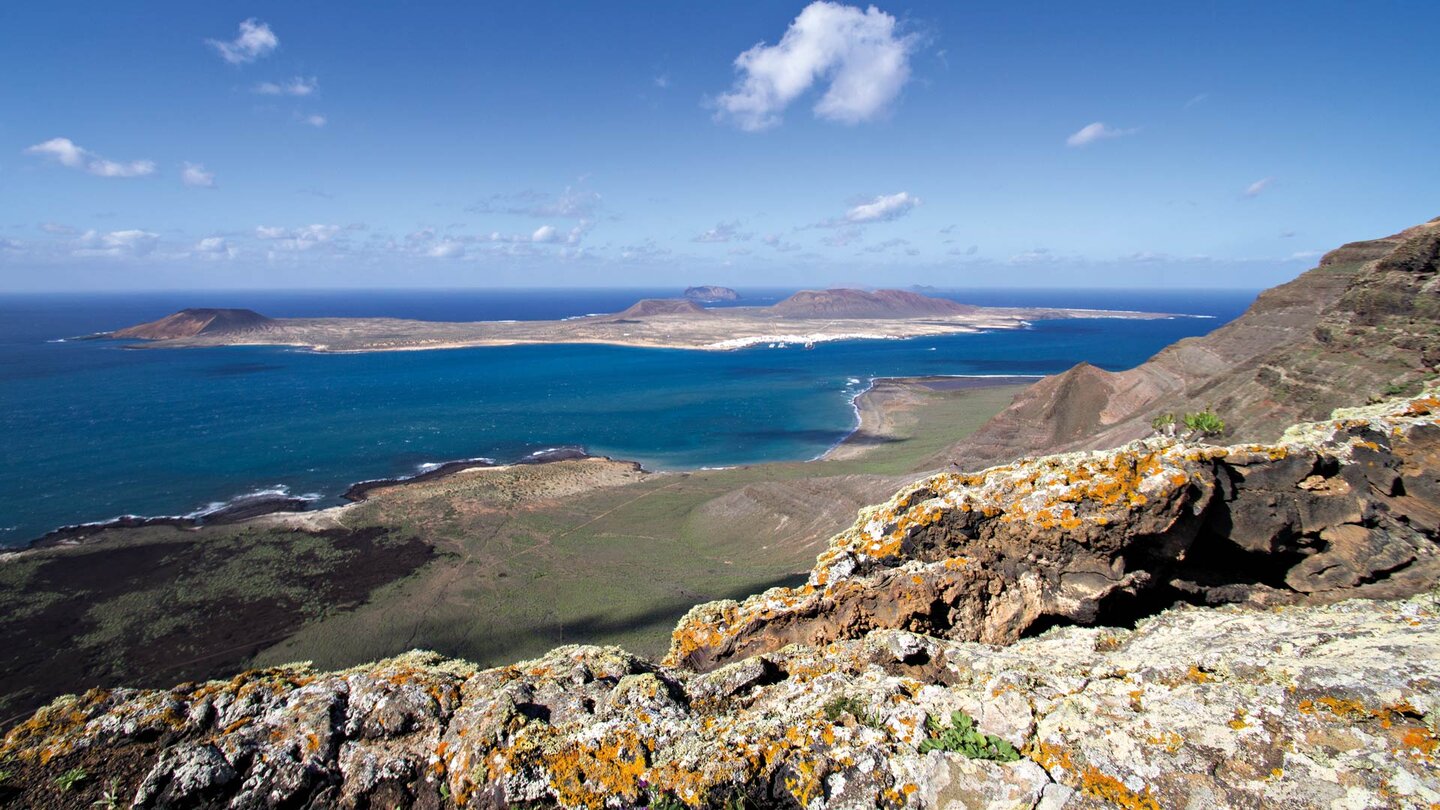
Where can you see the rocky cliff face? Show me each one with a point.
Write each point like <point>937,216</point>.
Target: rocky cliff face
<point>843,693</point>
<point>1363,321</point>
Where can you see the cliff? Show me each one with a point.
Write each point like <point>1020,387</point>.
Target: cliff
<point>1366,321</point>
<point>192,322</point>
<point>863,304</point>
<point>860,688</point>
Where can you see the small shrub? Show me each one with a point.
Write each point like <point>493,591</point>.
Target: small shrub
<point>1164,424</point>
<point>1204,423</point>
<point>69,779</point>
<point>1401,389</point>
<point>110,799</point>
<point>853,706</point>
<point>5,774</point>
<point>962,737</point>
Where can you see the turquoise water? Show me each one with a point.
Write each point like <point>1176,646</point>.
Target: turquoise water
<point>92,430</point>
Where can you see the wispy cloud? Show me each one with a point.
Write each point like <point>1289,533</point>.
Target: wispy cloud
<point>1098,131</point>
<point>254,41</point>
<point>1258,187</point>
<point>298,239</point>
<point>194,174</point>
<point>67,153</point>
<point>316,121</point>
<point>1198,98</point>
<point>723,232</point>
<point>132,243</point>
<point>883,208</point>
<point>858,52</point>
<point>298,86</point>
<point>572,203</point>
<point>774,240</point>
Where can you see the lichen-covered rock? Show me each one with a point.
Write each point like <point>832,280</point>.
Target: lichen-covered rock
<point>1350,503</point>
<point>1292,706</point>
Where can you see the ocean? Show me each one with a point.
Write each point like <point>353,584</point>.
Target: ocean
<point>90,430</point>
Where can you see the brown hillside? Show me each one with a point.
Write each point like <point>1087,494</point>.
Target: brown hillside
<point>1363,321</point>
<point>191,322</point>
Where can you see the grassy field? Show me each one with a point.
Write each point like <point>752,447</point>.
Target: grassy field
<point>520,573</point>
<point>492,565</point>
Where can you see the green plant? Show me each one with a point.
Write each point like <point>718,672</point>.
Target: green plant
<point>1164,424</point>
<point>5,774</point>
<point>853,706</point>
<point>1204,423</point>
<point>69,779</point>
<point>110,799</point>
<point>1402,389</point>
<point>962,737</point>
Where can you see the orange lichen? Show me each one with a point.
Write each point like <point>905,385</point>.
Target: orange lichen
<point>1106,787</point>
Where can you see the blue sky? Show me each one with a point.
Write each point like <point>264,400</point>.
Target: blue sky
<point>172,145</point>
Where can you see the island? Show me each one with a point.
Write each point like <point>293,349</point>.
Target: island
<point>710,294</point>
<point>805,318</point>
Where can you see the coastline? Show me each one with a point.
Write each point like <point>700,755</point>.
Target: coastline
<point>883,399</point>
<point>877,408</point>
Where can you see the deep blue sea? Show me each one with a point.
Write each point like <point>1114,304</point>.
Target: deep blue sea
<point>90,430</point>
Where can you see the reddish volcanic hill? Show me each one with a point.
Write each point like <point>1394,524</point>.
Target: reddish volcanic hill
<point>191,322</point>
<point>646,307</point>
<point>863,304</point>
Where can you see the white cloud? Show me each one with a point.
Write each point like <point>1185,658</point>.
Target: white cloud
<point>298,239</point>
<point>254,41</point>
<point>67,153</point>
<point>117,243</point>
<point>723,232</point>
<point>545,234</point>
<point>662,81</point>
<point>1097,131</point>
<point>215,247</point>
<point>1256,188</point>
<point>56,228</point>
<point>316,121</point>
<point>857,52</point>
<point>194,174</point>
<point>1198,98</point>
<point>298,86</point>
<point>448,249</point>
<point>883,208</point>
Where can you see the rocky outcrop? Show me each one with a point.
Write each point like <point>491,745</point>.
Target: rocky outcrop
<point>192,322</point>
<point>1299,707</point>
<point>840,693</point>
<point>864,304</point>
<point>1362,323</point>
<point>1347,506</point>
<point>709,294</point>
